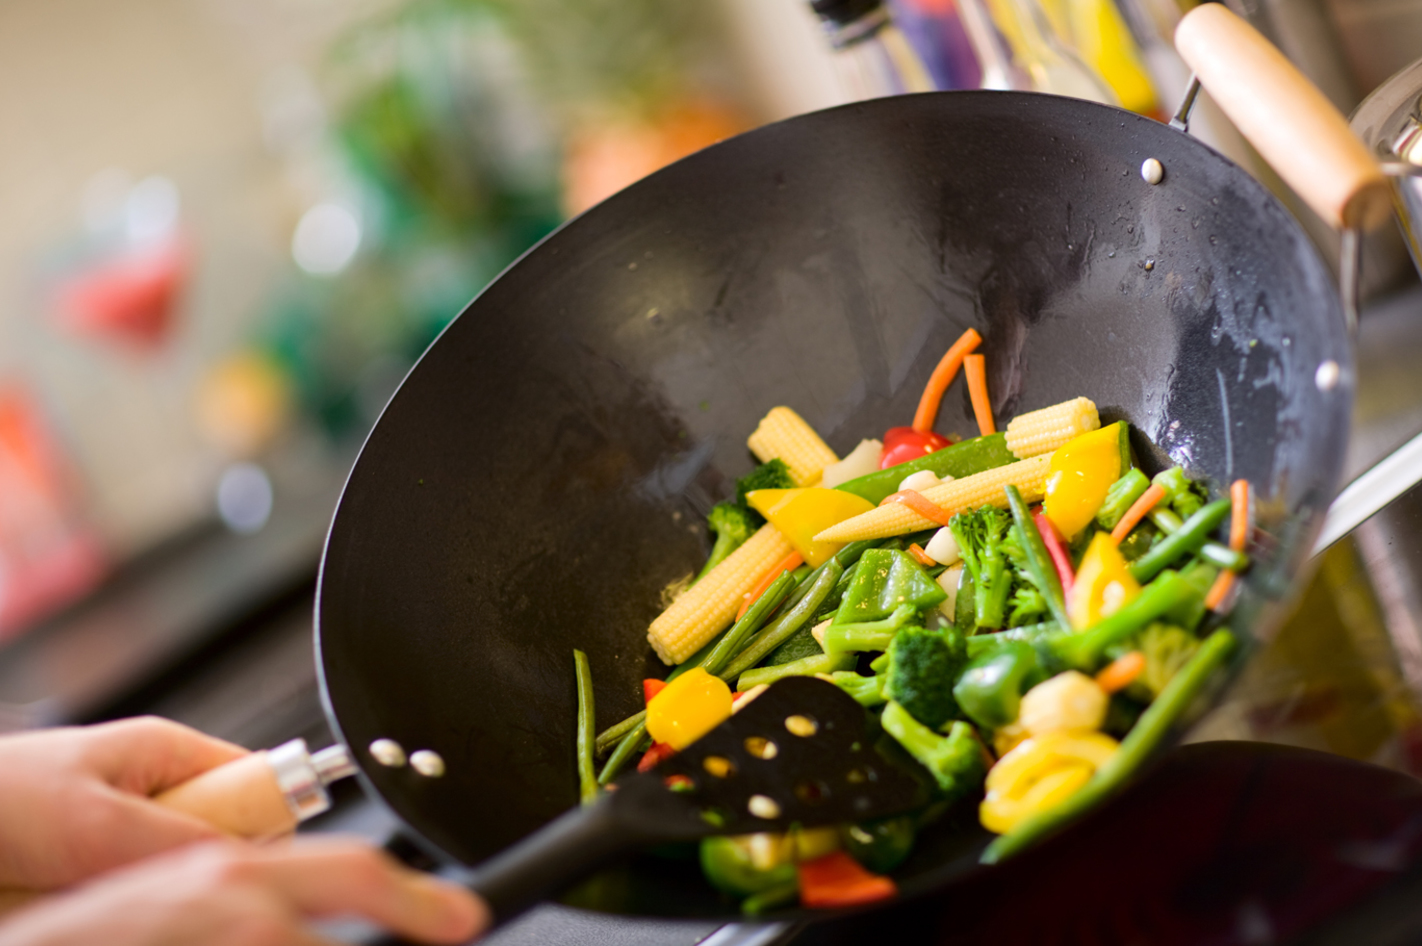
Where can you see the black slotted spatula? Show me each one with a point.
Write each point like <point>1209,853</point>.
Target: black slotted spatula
<point>796,755</point>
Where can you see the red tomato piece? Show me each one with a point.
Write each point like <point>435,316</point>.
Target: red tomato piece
<point>902,444</point>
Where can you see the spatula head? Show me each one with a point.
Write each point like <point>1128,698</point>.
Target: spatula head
<point>800,753</point>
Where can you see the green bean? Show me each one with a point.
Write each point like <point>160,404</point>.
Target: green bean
<point>1189,537</point>
<point>1216,554</point>
<point>1159,598</point>
<point>846,557</point>
<point>1143,739</point>
<point>770,899</point>
<point>587,778</point>
<point>778,631</point>
<point>735,641</point>
<point>635,740</point>
<point>804,667</point>
<point>612,735</point>
<point>1039,564</point>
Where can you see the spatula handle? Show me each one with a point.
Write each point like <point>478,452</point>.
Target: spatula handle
<point>563,851</point>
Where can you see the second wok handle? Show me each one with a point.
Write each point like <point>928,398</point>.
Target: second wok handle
<point>1285,117</point>
<point>563,851</point>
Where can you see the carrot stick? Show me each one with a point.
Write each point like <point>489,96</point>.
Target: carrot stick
<point>975,368</point>
<point>787,564</point>
<point>1238,539</point>
<point>1219,590</point>
<point>1153,494</point>
<point>917,552</point>
<point>1119,673</point>
<point>920,504</point>
<point>1239,515</point>
<point>943,376</point>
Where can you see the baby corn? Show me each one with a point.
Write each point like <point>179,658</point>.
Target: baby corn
<point>708,607</point>
<point>1038,432</point>
<point>782,434</point>
<point>970,492</point>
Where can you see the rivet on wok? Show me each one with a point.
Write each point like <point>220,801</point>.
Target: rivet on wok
<point>427,763</point>
<point>1152,171</point>
<point>388,752</point>
<point>1327,375</point>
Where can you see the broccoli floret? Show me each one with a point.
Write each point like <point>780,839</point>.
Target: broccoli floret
<point>1184,496</point>
<point>923,665</point>
<point>1122,494</point>
<point>772,475</point>
<point>980,536</point>
<point>955,760</point>
<point>1028,606</point>
<point>865,690</point>
<point>733,524</point>
<point>1167,648</point>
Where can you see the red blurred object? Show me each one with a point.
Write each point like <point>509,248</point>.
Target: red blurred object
<point>651,687</point>
<point>902,444</point>
<point>128,298</point>
<point>48,556</point>
<point>654,756</point>
<point>837,880</point>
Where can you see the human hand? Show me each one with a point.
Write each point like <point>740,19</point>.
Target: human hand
<point>76,802</point>
<point>231,893</point>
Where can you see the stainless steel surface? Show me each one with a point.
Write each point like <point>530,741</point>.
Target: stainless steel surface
<point>298,779</point>
<point>1388,122</point>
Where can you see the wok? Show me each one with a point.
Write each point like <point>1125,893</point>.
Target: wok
<point>544,470</point>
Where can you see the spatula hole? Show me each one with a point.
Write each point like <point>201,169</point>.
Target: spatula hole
<point>719,766</point>
<point>763,806</point>
<point>811,792</point>
<point>761,747</point>
<point>803,726</point>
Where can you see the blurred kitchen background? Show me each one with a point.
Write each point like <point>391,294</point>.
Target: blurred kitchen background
<point>229,227</point>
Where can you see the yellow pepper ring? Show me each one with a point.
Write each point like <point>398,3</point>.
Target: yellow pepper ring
<point>1041,773</point>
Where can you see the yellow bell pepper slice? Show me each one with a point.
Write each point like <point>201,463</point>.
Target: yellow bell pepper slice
<point>1103,583</point>
<point>1079,475</point>
<point>1041,773</point>
<point>802,514</point>
<point>688,708</point>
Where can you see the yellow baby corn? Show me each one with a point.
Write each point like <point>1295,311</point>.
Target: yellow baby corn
<point>782,434</point>
<point>970,492</point>
<point>1038,432</point>
<point>709,606</point>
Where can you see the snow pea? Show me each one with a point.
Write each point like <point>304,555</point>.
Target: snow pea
<point>959,460</point>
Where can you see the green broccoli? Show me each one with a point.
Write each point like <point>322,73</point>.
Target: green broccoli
<point>923,665</point>
<point>772,475</point>
<point>1184,496</point>
<point>954,760</point>
<point>865,690</point>
<point>1028,606</point>
<point>980,536</point>
<point>1167,648</point>
<point>734,521</point>
<point>733,524</point>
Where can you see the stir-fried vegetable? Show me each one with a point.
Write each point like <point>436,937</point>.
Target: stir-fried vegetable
<point>979,535</point>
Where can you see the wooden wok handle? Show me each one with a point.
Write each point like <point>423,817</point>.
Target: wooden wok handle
<point>241,798</point>
<point>1285,117</point>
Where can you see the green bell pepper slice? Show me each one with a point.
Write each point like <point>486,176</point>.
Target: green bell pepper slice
<point>885,580</point>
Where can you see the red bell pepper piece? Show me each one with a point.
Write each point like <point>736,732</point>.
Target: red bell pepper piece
<point>902,444</point>
<point>1056,550</point>
<point>655,756</point>
<point>651,687</point>
<point>837,880</point>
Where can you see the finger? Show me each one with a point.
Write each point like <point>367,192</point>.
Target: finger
<point>122,828</point>
<point>332,877</point>
<point>148,754</point>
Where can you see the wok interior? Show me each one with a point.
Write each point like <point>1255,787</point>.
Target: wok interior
<point>544,471</point>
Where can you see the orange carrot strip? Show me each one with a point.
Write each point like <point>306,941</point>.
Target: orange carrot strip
<point>917,552</point>
<point>943,376</point>
<point>975,368</point>
<point>1219,590</point>
<point>1144,504</point>
<point>787,564</point>
<point>920,504</point>
<point>1239,515</point>
<point>1119,673</point>
<point>837,880</point>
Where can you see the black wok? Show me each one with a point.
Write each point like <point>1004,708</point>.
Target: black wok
<point>544,470</point>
